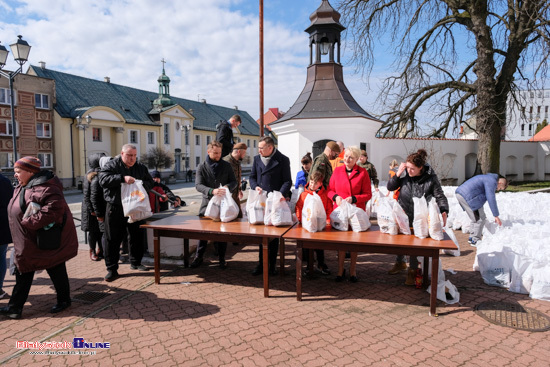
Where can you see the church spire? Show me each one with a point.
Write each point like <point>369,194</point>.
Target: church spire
<point>164,90</point>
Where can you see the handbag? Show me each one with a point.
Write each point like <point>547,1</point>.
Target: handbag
<point>50,239</point>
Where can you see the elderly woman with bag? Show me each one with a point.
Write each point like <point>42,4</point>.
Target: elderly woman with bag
<point>350,183</point>
<point>44,235</point>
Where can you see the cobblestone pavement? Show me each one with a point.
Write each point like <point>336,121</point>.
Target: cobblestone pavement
<point>213,317</point>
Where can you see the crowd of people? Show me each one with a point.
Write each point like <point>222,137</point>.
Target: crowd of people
<point>36,218</point>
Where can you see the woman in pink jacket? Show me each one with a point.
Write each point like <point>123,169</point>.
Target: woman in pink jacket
<point>352,184</point>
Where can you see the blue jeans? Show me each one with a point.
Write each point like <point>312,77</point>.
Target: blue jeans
<point>3,250</point>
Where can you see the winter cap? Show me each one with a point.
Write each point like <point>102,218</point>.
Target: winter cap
<point>240,146</point>
<point>29,164</point>
<point>155,174</point>
<point>333,146</point>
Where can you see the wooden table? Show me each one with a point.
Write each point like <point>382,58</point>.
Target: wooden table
<point>193,227</point>
<point>372,241</point>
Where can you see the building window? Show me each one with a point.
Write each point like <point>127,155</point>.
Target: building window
<point>133,137</point>
<point>186,137</point>
<point>43,130</point>
<point>530,129</point>
<point>6,160</point>
<point>254,143</point>
<point>46,159</point>
<point>150,137</point>
<point>197,161</point>
<point>522,129</point>
<point>166,133</point>
<point>6,130</point>
<point>41,101</point>
<point>545,112</point>
<point>208,139</point>
<point>96,134</point>
<point>197,140</point>
<point>4,96</point>
<point>247,142</point>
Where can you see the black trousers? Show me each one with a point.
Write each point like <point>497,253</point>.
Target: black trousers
<point>273,248</point>
<point>23,282</point>
<point>201,249</point>
<point>320,256</point>
<point>115,229</point>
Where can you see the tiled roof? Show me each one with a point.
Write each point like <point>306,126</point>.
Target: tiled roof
<point>543,135</point>
<point>75,93</point>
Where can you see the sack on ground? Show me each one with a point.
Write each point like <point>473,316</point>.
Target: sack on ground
<point>521,279</point>
<point>135,201</point>
<point>541,281</point>
<point>358,219</point>
<point>420,220</point>
<point>255,206</point>
<point>339,218</point>
<point>401,218</point>
<point>386,220</point>
<point>494,268</point>
<point>229,209</point>
<point>314,217</point>
<point>435,228</point>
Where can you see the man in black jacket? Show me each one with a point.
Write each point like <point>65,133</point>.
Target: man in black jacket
<point>225,133</point>
<point>122,169</point>
<point>270,172</point>
<point>212,173</point>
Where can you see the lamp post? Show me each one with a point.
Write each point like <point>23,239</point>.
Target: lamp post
<point>20,50</point>
<point>83,124</point>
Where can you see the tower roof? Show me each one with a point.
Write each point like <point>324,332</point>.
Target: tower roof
<point>323,16</point>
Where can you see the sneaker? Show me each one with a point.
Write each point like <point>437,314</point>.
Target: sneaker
<point>111,275</point>
<point>139,267</point>
<point>10,312</point>
<point>123,259</point>
<point>473,242</point>
<point>398,267</point>
<point>323,269</point>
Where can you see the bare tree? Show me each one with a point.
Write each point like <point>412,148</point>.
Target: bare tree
<point>157,158</point>
<point>453,57</point>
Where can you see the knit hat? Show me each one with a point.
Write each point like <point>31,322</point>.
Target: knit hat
<point>30,164</point>
<point>333,146</point>
<point>155,174</point>
<point>240,146</point>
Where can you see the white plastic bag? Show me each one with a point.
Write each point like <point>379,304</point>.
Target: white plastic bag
<point>255,206</point>
<point>453,238</point>
<point>420,221</point>
<point>135,201</point>
<point>295,195</point>
<point>373,204</point>
<point>541,281</point>
<point>268,209</point>
<point>280,214</point>
<point>521,279</point>
<point>446,292</point>
<point>229,209</point>
<point>358,219</point>
<point>314,217</point>
<point>494,268</point>
<point>401,218</point>
<point>435,228</point>
<point>213,208</point>
<point>386,220</point>
<point>339,218</point>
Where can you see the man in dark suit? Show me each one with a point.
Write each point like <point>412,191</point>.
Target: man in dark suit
<point>270,172</point>
<point>225,133</point>
<point>212,173</point>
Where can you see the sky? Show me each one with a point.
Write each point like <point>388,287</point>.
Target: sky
<point>211,47</point>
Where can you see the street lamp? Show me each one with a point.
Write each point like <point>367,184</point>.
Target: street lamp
<point>20,50</point>
<point>83,125</point>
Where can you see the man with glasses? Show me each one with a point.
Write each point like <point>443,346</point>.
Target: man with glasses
<point>270,172</point>
<point>473,194</point>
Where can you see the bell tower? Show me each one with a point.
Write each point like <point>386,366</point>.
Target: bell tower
<point>324,33</point>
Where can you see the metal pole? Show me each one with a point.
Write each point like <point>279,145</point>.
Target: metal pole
<point>13,124</point>
<point>261,68</point>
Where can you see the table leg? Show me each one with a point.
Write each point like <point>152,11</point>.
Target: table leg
<point>156,251</point>
<point>186,252</point>
<point>266,265</point>
<point>282,256</point>
<point>433,295</point>
<point>298,270</point>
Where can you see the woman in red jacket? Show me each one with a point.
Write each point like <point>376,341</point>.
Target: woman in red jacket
<point>352,184</point>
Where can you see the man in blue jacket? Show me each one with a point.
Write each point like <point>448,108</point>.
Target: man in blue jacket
<point>473,194</point>
<point>270,172</point>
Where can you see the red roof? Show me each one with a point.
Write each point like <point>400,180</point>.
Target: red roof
<point>543,135</point>
<point>272,114</point>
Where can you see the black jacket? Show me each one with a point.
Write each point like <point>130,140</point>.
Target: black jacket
<point>426,184</point>
<point>273,177</point>
<point>111,176</point>
<point>6,193</point>
<point>225,137</point>
<point>206,181</point>
<point>89,222</point>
